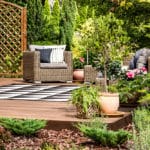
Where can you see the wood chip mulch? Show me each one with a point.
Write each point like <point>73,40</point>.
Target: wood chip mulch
<point>61,140</point>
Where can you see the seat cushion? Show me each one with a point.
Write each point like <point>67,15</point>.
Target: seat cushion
<point>53,65</point>
<point>44,55</point>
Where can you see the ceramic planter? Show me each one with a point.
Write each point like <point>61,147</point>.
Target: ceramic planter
<point>109,102</point>
<point>78,74</point>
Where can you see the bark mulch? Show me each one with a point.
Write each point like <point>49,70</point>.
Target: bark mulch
<point>60,140</point>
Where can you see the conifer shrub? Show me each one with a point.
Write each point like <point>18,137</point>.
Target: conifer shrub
<point>98,132</point>
<point>24,127</point>
<point>141,129</point>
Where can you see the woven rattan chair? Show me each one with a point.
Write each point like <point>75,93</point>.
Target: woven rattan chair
<point>90,74</point>
<point>32,71</point>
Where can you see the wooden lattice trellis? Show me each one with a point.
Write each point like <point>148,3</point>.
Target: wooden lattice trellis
<point>12,37</point>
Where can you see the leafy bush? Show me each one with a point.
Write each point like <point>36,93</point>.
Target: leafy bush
<point>141,130</point>
<point>25,127</point>
<point>98,132</point>
<point>133,90</point>
<point>47,146</point>
<point>85,96</point>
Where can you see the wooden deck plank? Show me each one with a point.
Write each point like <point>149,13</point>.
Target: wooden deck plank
<point>59,114</point>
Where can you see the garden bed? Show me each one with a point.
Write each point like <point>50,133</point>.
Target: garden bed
<point>60,140</point>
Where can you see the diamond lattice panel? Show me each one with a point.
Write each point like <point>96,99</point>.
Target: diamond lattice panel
<point>10,35</point>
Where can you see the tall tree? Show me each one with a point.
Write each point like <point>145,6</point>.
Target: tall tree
<point>55,22</point>
<point>67,22</point>
<point>47,20</point>
<point>31,19</point>
<point>34,19</point>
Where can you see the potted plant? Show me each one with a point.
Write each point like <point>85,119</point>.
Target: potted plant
<point>110,43</point>
<point>78,72</point>
<point>86,100</point>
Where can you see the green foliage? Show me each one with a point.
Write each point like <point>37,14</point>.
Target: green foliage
<point>141,118</point>
<point>132,91</point>
<point>114,69</point>
<point>107,38</point>
<point>145,100</point>
<point>25,127</point>
<point>11,65</point>
<point>42,43</point>
<point>84,97</point>
<point>18,2</point>
<point>46,13</point>
<point>34,20</point>
<point>5,136</point>
<point>67,22</point>
<point>78,64</point>
<point>100,7</point>
<point>135,14</point>
<point>141,130</point>
<point>47,146</point>
<point>98,132</point>
<point>55,22</point>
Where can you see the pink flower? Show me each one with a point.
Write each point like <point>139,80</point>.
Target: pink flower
<point>130,74</point>
<point>81,59</point>
<point>143,69</point>
<point>136,71</point>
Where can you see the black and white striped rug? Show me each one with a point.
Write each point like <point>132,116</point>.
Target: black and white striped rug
<point>36,92</point>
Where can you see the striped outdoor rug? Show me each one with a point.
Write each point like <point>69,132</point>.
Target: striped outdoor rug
<point>36,92</point>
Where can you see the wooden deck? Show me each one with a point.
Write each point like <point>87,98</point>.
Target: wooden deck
<point>58,114</point>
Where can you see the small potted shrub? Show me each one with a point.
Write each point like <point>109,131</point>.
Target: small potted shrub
<point>109,101</point>
<point>78,72</point>
<point>86,100</point>
<point>110,42</point>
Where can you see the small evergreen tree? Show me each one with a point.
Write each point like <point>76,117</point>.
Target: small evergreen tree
<point>47,20</point>
<point>31,20</point>
<point>55,20</point>
<point>39,20</point>
<point>67,22</point>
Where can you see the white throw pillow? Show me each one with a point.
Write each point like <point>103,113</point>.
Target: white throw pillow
<point>57,54</point>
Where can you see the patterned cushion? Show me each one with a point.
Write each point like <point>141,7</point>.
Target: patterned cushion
<point>44,55</point>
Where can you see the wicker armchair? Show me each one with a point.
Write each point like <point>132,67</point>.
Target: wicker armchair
<point>33,72</point>
<point>90,74</point>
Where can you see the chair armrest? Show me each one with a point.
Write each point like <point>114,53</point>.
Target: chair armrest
<point>90,73</point>
<point>68,59</point>
<point>31,65</point>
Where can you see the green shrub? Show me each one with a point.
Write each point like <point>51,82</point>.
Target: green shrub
<point>85,97</point>
<point>25,127</point>
<point>47,146</point>
<point>141,129</point>
<point>132,91</point>
<point>100,134</point>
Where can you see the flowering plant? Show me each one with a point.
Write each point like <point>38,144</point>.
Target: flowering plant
<point>131,74</point>
<point>78,63</point>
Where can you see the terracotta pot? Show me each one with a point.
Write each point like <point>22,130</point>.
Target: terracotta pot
<point>109,102</point>
<point>78,74</point>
